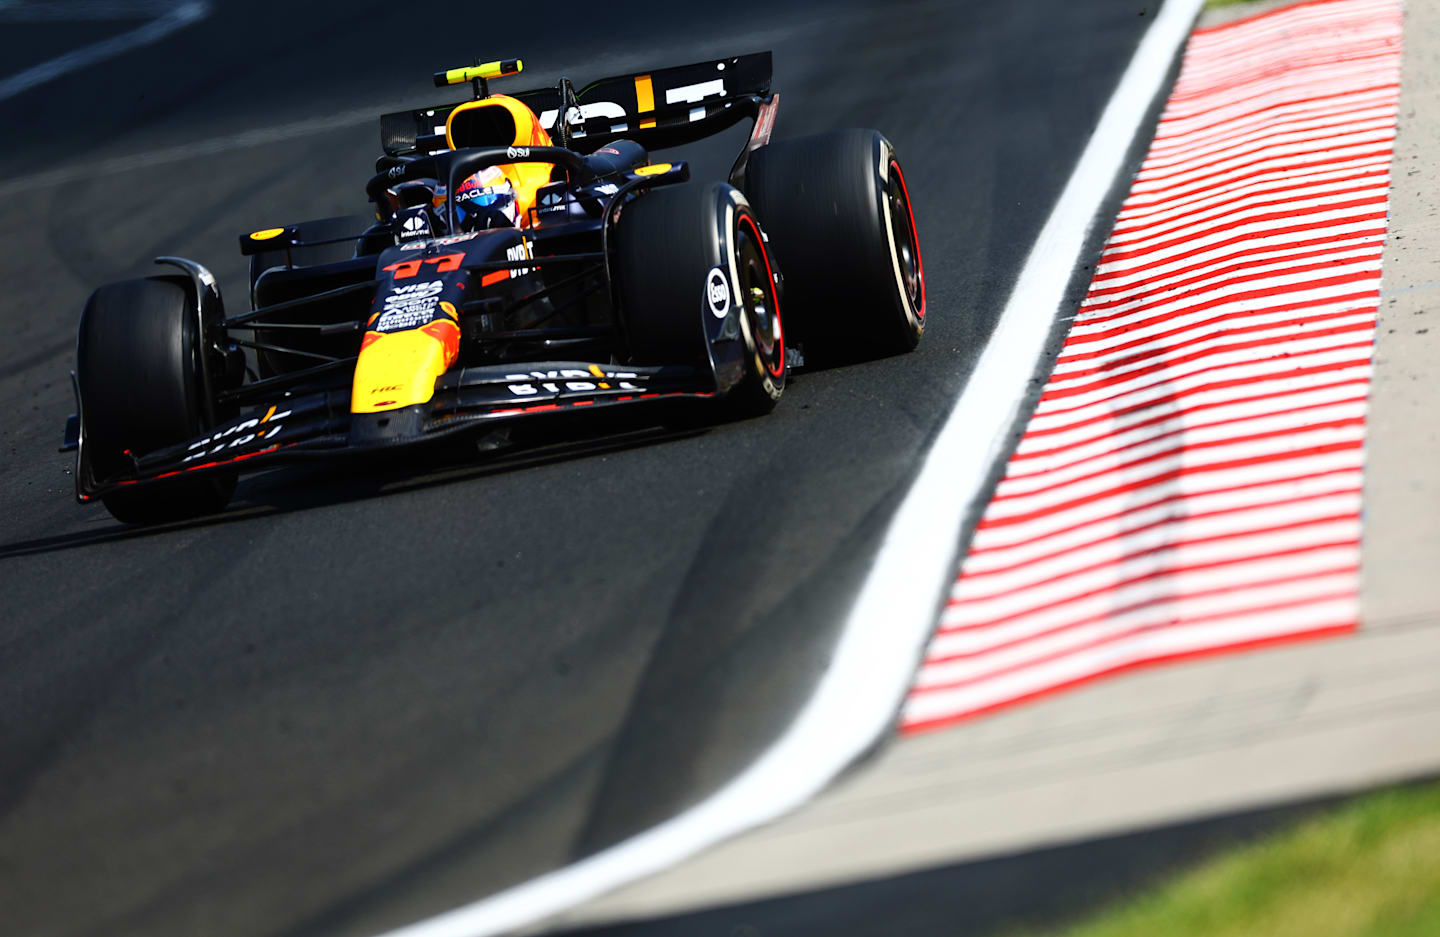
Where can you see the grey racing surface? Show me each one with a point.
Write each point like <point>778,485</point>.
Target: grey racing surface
<point>368,693</point>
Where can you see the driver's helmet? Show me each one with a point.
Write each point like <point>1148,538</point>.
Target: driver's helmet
<point>485,200</point>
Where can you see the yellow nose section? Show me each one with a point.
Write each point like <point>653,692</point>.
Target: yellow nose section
<point>399,369</point>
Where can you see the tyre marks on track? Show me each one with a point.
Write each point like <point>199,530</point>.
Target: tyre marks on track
<point>1190,481</point>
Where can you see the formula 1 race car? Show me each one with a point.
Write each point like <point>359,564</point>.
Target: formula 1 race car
<point>527,257</point>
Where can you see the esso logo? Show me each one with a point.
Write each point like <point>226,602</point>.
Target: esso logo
<point>717,292</point>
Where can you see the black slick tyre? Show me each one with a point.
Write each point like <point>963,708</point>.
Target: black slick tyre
<point>138,367</point>
<point>674,246</point>
<point>839,218</point>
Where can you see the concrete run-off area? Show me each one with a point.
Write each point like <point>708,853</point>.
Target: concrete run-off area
<point>1399,585</point>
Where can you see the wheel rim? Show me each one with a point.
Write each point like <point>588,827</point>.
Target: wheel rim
<point>907,246</point>
<point>758,300</point>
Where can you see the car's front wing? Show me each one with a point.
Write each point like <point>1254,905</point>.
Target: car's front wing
<point>318,424</point>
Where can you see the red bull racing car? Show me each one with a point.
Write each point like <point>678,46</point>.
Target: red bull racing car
<point>528,256</point>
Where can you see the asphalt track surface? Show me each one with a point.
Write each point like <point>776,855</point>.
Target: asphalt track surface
<point>360,698</point>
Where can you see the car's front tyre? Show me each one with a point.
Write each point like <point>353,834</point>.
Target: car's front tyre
<point>138,369</point>
<point>688,254</point>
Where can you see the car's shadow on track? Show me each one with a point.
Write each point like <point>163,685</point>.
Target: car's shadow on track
<point>303,487</point>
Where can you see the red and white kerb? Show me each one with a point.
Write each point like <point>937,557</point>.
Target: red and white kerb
<point>1190,481</point>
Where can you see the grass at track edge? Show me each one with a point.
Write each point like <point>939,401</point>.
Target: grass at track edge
<point>1367,868</point>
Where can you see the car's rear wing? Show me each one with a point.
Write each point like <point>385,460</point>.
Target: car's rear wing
<point>663,108</point>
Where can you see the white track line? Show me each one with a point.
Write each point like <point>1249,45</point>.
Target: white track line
<point>176,18</point>
<point>858,698</point>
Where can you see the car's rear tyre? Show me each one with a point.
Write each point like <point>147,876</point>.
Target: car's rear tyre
<point>138,366</point>
<point>670,243</point>
<point>839,218</point>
